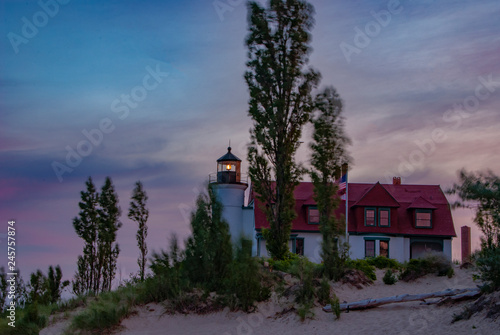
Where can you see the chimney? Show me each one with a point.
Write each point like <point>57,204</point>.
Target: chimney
<point>396,181</point>
<point>466,249</point>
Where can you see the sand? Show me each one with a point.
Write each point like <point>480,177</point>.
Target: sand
<point>401,319</point>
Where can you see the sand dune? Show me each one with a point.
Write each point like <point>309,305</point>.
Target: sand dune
<point>401,319</point>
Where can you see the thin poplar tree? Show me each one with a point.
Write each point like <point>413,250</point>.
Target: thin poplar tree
<point>139,213</point>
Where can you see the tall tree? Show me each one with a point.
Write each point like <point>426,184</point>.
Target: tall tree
<point>86,226</point>
<point>208,250</point>
<point>55,285</point>
<point>139,214</point>
<point>109,224</point>
<point>328,156</point>
<point>280,104</point>
<point>97,225</point>
<point>481,191</point>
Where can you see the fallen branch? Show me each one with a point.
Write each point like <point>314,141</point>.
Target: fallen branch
<point>370,303</point>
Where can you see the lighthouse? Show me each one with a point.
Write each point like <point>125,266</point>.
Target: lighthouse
<point>230,190</point>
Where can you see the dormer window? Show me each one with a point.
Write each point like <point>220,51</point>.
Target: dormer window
<point>380,217</point>
<point>423,218</point>
<point>313,215</point>
<point>370,217</point>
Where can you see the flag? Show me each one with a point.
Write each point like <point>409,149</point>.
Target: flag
<point>343,183</point>
<point>343,186</point>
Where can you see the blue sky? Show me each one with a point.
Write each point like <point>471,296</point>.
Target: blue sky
<point>421,95</point>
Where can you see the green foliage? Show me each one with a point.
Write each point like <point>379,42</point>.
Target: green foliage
<point>304,270</point>
<point>432,262</point>
<point>381,262</point>
<point>245,279</point>
<point>139,214</point>
<point>328,157</point>
<point>481,191</point>
<point>364,266</point>
<point>488,264</point>
<point>389,277</point>
<point>280,105</point>
<point>323,292</point>
<point>285,263</point>
<point>105,312</point>
<point>30,320</point>
<point>54,284</point>
<point>97,225</point>
<point>305,311</point>
<point>208,249</point>
<point>3,288</point>
<point>335,304</point>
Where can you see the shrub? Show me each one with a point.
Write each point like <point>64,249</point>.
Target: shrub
<point>304,270</point>
<point>284,264</point>
<point>381,262</point>
<point>105,312</point>
<point>488,264</point>
<point>389,277</point>
<point>432,262</point>
<point>323,292</point>
<point>305,311</point>
<point>364,266</point>
<point>335,305</point>
<point>245,279</point>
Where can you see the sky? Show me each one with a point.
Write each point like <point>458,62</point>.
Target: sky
<point>154,91</point>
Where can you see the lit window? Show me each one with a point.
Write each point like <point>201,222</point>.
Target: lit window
<point>370,217</point>
<point>384,249</point>
<point>384,218</point>
<point>313,215</point>
<point>369,248</point>
<point>423,218</point>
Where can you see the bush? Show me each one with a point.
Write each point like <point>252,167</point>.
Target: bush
<point>488,264</point>
<point>284,264</point>
<point>105,312</point>
<point>304,270</point>
<point>323,292</point>
<point>432,262</point>
<point>364,266</point>
<point>381,262</point>
<point>389,277</point>
<point>335,305</point>
<point>245,279</point>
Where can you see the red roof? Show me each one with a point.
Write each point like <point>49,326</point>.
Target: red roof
<point>403,199</point>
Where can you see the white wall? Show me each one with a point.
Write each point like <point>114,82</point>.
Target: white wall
<point>232,197</point>
<point>398,249</point>
<point>447,248</point>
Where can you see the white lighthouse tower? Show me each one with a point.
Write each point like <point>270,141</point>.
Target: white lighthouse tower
<point>230,190</point>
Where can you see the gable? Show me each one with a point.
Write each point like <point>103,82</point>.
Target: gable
<point>377,196</point>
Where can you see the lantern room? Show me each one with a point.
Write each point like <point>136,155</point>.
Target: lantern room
<point>229,168</point>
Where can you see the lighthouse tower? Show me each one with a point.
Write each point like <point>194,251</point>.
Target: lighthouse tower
<point>230,190</point>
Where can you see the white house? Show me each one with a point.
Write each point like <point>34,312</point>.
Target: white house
<point>393,220</point>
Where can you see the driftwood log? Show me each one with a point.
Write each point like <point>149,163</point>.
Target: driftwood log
<point>456,294</point>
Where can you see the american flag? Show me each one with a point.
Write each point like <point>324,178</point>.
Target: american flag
<point>343,183</point>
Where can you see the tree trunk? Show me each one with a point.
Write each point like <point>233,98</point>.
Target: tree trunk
<point>369,303</point>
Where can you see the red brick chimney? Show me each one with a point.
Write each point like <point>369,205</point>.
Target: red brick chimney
<point>466,250</point>
<point>396,181</point>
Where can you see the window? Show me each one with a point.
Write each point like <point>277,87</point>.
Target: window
<point>384,217</point>
<point>298,246</point>
<point>369,248</point>
<point>384,249</point>
<point>370,217</point>
<point>423,218</point>
<point>313,215</point>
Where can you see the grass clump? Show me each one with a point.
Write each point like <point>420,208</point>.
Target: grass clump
<point>389,277</point>
<point>432,262</point>
<point>364,266</point>
<point>381,262</point>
